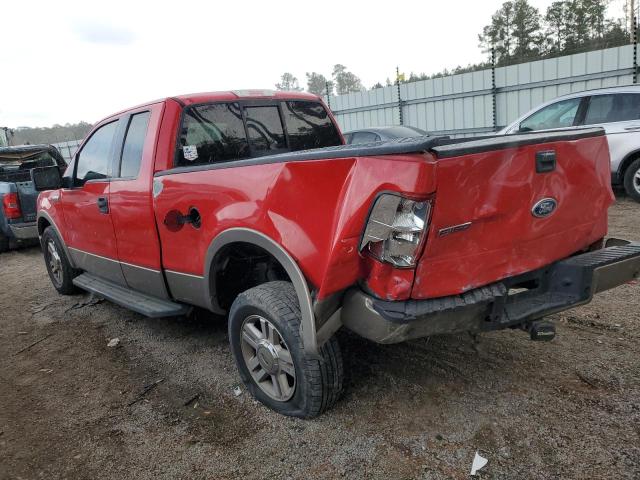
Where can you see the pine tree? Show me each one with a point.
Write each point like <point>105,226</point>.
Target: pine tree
<point>345,81</point>
<point>317,84</point>
<point>526,30</point>
<point>288,82</point>
<point>556,21</point>
<point>499,33</point>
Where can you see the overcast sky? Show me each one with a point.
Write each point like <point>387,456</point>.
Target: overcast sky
<point>66,61</point>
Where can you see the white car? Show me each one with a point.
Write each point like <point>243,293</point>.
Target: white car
<point>615,109</point>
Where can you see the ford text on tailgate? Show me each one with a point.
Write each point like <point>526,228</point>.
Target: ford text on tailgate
<point>248,204</point>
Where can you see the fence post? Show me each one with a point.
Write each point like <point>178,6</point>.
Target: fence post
<point>493,89</point>
<point>399,99</point>
<point>326,87</point>
<point>634,36</point>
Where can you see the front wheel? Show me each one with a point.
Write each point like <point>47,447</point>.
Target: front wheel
<point>264,331</point>
<point>60,270</point>
<point>632,180</point>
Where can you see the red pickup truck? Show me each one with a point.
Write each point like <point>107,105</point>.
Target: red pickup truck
<point>248,204</point>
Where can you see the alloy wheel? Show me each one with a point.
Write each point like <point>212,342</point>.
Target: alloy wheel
<point>55,263</point>
<point>268,358</point>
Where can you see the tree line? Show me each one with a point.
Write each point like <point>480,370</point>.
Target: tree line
<point>518,32</point>
<point>56,133</point>
<point>341,81</point>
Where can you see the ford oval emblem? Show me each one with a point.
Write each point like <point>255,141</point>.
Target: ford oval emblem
<point>544,207</point>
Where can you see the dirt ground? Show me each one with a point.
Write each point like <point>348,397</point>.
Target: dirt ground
<point>72,407</point>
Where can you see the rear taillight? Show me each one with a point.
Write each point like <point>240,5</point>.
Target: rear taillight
<point>11,206</point>
<point>396,229</point>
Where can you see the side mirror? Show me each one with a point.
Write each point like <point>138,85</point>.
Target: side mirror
<point>522,129</point>
<point>46,178</point>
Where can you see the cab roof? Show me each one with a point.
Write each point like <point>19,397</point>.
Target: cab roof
<point>228,96</point>
<point>249,94</point>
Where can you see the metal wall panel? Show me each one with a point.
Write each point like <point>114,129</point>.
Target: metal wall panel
<point>462,105</point>
<point>67,149</point>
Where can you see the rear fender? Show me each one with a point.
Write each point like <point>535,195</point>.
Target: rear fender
<point>246,235</point>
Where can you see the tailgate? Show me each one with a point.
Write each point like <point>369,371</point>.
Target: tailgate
<point>511,204</point>
<point>28,198</point>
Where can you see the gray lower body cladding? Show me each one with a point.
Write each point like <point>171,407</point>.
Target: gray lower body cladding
<point>510,303</point>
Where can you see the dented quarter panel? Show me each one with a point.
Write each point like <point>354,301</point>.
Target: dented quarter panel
<point>315,209</point>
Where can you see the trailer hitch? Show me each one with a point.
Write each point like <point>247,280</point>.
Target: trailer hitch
<point>540,330</point>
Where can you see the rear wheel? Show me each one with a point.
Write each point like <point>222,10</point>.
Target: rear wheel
<point>632,180</point>
<point>264,331</point>
<point>60,271</point>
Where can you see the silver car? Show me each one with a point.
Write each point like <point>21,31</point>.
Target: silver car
<point>616,109</point>
<point>376,134</point>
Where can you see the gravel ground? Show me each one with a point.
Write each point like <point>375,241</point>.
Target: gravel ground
<point>71,407</point>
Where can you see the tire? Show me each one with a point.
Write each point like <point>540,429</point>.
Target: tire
<point>632,180</point>
<point>316,384</point>
<point>60,271</point>
<point>4,243</point>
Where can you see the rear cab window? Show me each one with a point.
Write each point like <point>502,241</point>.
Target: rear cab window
<point>265,129</point>
<point>212,133</point>
<point>227,131</point>
<point>309,126</point>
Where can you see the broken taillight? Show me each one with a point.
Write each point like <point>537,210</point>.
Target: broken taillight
<point>395,229</point>
<point>11,206</point>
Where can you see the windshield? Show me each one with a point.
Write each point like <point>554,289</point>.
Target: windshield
<point>557,115</point>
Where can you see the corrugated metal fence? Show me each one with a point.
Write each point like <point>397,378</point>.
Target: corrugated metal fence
<point>67,149</point>
<point>462,105</point>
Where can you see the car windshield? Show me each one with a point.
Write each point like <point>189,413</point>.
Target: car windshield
<point>557,115</point>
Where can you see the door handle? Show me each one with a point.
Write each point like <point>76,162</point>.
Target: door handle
<point>103,205</point>
<point>545,161</point>
<point>635,127</point>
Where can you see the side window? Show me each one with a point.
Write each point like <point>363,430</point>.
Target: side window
<point>212,133</point>
<point>93,162</point>
<point>557,115</point>
<point>364,137</point>
<point>619,107</point>
<point>133,145</point>
<point>265,129</point>
<point>309,126</point>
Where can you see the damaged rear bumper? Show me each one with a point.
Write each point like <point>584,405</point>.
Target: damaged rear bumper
<point>510,303</point>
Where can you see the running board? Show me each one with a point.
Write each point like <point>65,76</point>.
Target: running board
<point>125,297</point>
